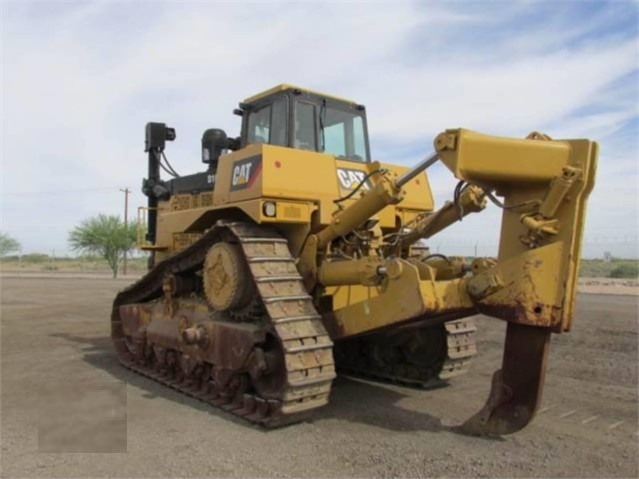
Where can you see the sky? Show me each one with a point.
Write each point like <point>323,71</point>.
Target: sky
<point>80,80</point>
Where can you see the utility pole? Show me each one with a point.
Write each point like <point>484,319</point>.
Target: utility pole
<point>126,192</point>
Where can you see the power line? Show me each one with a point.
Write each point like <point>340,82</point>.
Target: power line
<point>58,192</point>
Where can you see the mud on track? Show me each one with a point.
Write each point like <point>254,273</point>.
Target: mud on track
<point>56,331</point>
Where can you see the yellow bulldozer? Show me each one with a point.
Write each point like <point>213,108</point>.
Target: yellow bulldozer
<point>295,256</point>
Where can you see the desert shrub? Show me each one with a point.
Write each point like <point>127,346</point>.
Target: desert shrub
<point>625,270</point>
<point>35,258</point>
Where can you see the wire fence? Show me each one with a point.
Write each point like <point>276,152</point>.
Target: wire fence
<point>597,247</point>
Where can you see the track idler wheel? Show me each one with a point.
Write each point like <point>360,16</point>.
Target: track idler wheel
<point>228,284</point>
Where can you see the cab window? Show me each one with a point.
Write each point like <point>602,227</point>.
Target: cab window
<point>259,125</point>
<point>343,134</point>
<point>268,124</point>
<point>279,121</point>
<point>305,126</point>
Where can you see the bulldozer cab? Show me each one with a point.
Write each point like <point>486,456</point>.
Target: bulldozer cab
<point>296,118</point>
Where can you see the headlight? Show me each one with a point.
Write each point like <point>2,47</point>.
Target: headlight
<point>269,209</point>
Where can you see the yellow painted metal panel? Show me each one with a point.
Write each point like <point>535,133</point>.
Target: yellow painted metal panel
<point>287,212</point>
<point>346,295</point>
<point>297,174</point>
<point>492,159</point>
<point>418,193</point>
<point>284,87</point>
<point>227,167</point>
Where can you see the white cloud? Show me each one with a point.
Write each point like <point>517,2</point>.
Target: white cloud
<point>514,97</point>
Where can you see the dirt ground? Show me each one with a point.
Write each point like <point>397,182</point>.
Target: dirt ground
<point>608,286</point>
<point>62,388</point>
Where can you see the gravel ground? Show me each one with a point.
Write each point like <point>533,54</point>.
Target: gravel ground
<point>59,375</point>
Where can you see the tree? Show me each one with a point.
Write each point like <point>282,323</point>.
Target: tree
<point>105,236</point>
<point>8,244</point>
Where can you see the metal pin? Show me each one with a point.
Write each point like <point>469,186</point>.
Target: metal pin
<point>590,419</point>
<point>548,408</point>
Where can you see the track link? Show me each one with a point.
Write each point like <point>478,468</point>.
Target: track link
<point>454,357</point>
<point>288,312</point>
